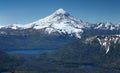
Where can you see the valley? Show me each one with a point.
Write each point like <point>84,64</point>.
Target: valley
<point>60,43</point>
<point>77,57</point>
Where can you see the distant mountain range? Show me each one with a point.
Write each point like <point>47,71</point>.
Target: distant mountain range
<point>63,23</point>
<point>82,47</point>
<point>60,27</point>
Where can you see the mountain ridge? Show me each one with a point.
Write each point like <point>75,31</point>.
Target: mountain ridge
<point>52,32</point>
<point>63,23</point>
<point>60,21</point>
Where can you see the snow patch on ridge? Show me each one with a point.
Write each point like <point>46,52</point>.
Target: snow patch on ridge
<point>106,40</point>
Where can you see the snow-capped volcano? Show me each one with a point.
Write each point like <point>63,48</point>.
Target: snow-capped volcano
<point>54,31</point>
<point>60,21</point>
<point>63,23</point>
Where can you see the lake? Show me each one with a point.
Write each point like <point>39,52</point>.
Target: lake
<point>38,51</point>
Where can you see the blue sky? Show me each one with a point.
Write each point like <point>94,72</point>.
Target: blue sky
<point>27,11</point>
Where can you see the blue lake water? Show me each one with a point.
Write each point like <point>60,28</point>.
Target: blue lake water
<point>28,51</point>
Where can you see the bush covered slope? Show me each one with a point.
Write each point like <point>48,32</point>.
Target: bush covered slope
<point>83,56</point>
<point>9,62</point>
<point>88,55</point>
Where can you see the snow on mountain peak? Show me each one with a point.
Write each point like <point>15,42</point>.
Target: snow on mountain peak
<point>107,26</point>
<point>1,26</point>
<point>12,26</point>
<point>60,11</point>
<point>60,21</point>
